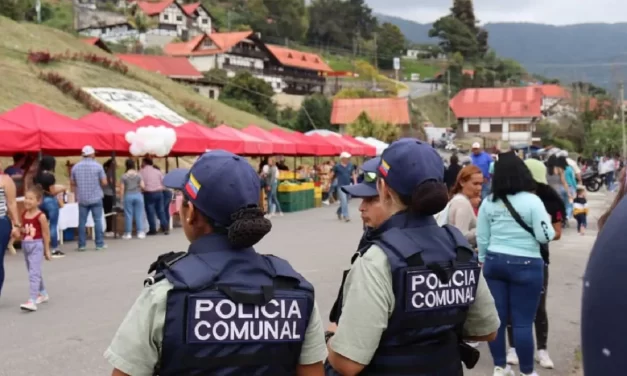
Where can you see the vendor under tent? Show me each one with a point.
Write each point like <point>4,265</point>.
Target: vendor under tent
<point>59,134</point>
<point>17,138</point>
<point>188,141</point>
<point>253,145</point>
<point>114,125</point>
<point>280,145</point>
<point>379,145</point>
<point>303,147</point>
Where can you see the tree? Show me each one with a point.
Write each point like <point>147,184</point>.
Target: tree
<point>391,42</point>
<point>359,22</point>
<point>364,127</point>
<point>509,71</point>
<point>244,87</point>
<point>15,9</point>
<point>315,111</point>
<point>455,36</point>
<point>326,24</point>
<point>278,18</point>
<point>605,137</point>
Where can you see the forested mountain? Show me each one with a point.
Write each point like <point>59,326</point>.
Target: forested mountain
<point>586,52</point>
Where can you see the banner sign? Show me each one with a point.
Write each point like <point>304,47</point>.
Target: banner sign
<point>134,105</point>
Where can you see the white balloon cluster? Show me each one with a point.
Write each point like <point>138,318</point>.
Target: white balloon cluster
<point>151,140</point>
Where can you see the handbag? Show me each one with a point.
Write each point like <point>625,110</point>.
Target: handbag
<point>544,248</point>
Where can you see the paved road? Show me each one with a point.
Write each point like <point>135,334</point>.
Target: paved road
<point>416,89</point>
<point>91,292</point>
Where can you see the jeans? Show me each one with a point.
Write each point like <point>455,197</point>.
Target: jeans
<point>96,210</point>
<point>273,199</point>
<point>569,205</point>
<point>167,198</point>
<point>50,207</point>
<point>5,236</point>
<point>516,285</point>
<point>343,209</point>
<point>133,209</point>
<point>609,179</point>
<point>485,190</point>
<point>582,221</point>
<point>153,202</point>
<point>542,319</point>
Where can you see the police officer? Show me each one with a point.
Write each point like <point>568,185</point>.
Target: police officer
<point>221,308</point>
<point>371,214</point>
<point>416,292</point>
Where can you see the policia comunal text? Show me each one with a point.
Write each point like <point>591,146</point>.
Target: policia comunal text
<point>414,292</point>
<point>221,308</point>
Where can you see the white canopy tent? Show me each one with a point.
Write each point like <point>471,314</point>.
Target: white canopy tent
<point>379,145</point>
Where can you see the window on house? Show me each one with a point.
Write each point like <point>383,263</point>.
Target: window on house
<point>204,21</point>
<point>179,18</point>
<point>496,128</point>
<point>474,128</point>
<point>519,127</point>
<point>227,61</point>
<point>166,17</point>
<point>212,94</point>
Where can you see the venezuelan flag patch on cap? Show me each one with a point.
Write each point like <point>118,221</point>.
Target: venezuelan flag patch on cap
<point>384,168</point>
<point>192,187</point>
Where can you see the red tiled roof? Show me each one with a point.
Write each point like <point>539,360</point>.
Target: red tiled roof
<point>497,102</point>
<point>299,59</point>
<point>152,8</point>
<point>174,67</point>
<point>553,91</point>
<point>189,9</point>
<point>222,41</point>
<point>389,110</point>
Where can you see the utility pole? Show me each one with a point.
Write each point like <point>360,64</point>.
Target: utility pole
<point>622,116</point>
<point>38,10</point>
<point>448,97</point>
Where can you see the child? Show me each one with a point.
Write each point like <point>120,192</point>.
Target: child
<point>36,245</point>
<point>580,210</point>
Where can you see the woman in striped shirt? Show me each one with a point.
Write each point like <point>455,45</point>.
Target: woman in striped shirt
<point>8,215</point>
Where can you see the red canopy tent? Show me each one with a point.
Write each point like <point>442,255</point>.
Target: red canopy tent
<point>280,145</point>
<point>253,145</point>
<point>366,150</point>
<point>188,140</point>
<point>17,138</point>
<point>114,125</point>
<point>217,140</point>
<point>303,147</point>
<point>59,134</point>
<point>325,147</point>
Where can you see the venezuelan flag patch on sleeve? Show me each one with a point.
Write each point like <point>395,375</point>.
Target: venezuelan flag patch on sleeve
<point>192,187</point>
<point>384,168</point>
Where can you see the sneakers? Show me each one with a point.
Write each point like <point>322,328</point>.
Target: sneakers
<point>507,371</point>
<point>126,236</point>
<point>512,357</point>
<point>102,247</point>
<point>29,306</point>
<point>474,345</point>
<point>141,235</point>
<point>57,254</point>
<point>42,299</point>
<point>109,234</point>
<point>530,374</point>
<point>543,358</point>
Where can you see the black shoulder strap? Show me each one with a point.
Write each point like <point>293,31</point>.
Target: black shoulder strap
<point>163,262</point>
<point>516,216</point>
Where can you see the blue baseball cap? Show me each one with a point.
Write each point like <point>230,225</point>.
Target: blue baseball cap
<point>409,162</point>
<point>218,184</point>
<point>368,186</point>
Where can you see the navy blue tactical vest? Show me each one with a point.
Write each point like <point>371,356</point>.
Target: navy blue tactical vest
<point>233,312</point>
<point>435,274</point>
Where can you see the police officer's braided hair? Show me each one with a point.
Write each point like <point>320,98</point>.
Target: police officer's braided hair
<point>428,198</point>
<point>249,227</point>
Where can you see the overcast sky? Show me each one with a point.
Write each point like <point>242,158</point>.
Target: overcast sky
<point>556,12</point>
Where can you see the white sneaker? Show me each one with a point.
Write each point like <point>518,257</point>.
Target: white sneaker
<point>543,358</point>
<point>109,234</point>
<point>42,299</point>
<point>29,306</point>
<point>512,357</point>
<point>534,373</point>
<point>141,235</point>
<point>126,236</point>
<point>507,371</point>
<point>474,345</point>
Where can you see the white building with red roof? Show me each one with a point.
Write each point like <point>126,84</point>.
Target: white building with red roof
<point>506,114</point>
<point>285,69</point>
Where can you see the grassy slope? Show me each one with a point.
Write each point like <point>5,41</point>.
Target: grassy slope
<point>19,82</point>
<point>433,108</point>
